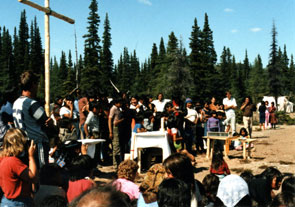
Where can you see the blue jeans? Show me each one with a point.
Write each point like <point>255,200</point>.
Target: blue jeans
<point>17,202</point>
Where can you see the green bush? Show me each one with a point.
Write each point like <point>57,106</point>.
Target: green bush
<point>284,118</point>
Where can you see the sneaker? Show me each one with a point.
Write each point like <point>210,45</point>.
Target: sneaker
<point>239,148</point>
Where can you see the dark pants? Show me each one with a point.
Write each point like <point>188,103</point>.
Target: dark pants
<point>199,138</point>
<point>189,138</point>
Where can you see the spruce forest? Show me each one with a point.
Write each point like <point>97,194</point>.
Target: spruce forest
<point>170,68</point>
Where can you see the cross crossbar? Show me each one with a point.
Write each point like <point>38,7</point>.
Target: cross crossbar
<point>48,11</point>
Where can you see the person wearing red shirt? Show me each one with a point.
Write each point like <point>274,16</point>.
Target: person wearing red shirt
<point>218,166</point>
<point>16,177</point>
<point>80,171</point>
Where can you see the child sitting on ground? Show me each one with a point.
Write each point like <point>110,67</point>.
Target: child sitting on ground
<point>127,172</point>
<point>218,166</point>
<point>80,172</point>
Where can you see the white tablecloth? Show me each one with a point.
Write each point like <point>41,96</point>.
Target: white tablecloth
<point>91,145</point>
<point>157,139</point>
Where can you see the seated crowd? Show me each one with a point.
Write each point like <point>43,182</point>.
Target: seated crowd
<point>51,161</point>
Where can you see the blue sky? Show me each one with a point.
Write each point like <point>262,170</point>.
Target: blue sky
<point>137,24</point>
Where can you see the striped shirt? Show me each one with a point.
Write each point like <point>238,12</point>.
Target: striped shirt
<point>29,116</point>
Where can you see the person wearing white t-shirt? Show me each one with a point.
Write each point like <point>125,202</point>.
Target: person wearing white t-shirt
<point>190,117</point>
<point>160,103</point>
<point>159,108</point>
<point>67,109</point>
<point>230,105</point>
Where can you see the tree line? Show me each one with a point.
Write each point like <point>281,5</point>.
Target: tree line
<point>169,68</point>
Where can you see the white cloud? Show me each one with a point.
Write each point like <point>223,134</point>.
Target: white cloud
<point>228,10</point>
<point>234,31</point>
<point>146,2</point>
<point>255,29</point>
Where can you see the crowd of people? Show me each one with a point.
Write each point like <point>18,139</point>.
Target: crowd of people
<point>43,161</point>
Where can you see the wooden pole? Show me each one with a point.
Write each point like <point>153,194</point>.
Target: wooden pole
<point>47,62</point>
<point>48,12</point>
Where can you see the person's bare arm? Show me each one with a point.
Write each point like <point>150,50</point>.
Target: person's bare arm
<point>86,130</point>
<point>31,173</point>
<point>110,128</point>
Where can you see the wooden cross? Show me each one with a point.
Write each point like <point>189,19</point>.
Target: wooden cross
<point>47,12</point>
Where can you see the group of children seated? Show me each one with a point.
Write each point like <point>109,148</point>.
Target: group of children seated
<point>171,183</point>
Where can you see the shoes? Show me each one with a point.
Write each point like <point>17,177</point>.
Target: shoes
<point>239,148</point>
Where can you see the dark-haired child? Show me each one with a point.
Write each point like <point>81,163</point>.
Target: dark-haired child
<point>50,183</point>
<point>139,125</point>
<point>91,126</point>
<point>80,171</point>
<point>218,166</point>
<point>210,183</point>
<point>244,135</point>
<point>213,123</point>
<point>174,192</point>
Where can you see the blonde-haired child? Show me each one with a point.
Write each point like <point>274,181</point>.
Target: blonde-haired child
<point>16,177</point>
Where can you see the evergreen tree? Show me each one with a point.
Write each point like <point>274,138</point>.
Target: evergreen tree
<point>195,56</point>
<point>225,70</point>
<point>106,57</point>
<point>292,75</point>
<point>273,66</point>
<point>70,83</point>
<point>6,62</point>
<point>238,90</point>
<point>36,52</point>
<point>208,60</point>
<point>54,80</point>
<point>246,73</point>
<point>284,65</point>
<point>62,73</point>
<point>257,84</point>
<point>162,51</point>
<point>179,80</point>
<point>154,56</point>
<point>91,75</point>
<point>172,44</point>
<point>21,50</point>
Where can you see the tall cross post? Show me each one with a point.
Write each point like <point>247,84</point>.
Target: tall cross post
<point>47,12</point>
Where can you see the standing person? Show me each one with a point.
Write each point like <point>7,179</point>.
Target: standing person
<point>267,124</point>
<point>272,115</point>
<point>262,111</point>
<point>248,107</point>
<point>115,119</point>
<point>30,116</point>
<point>16,177</point>
<point>213,106</point>
<point>230,105</point>
<point>56,109</point>
<point>159,108</point>
<point>213,123</point>
<point>190,119</point>
<point>67,109</point>
<point>81,104</point>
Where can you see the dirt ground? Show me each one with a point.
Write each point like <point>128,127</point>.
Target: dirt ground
<point>273,148</point>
